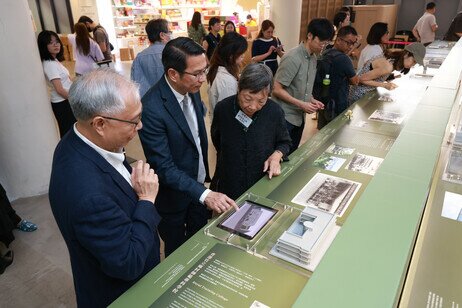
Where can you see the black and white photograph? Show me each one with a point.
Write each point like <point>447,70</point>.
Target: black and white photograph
<point>249,220</point>
<point>387,116</point>
<point>365,164</point>
<point>453,171</point>
<point>327,193</point>
<point>339,150</point>
<point>455,163</point>
<point>458,137</point>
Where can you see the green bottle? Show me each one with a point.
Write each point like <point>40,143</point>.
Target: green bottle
<point>325,86</point>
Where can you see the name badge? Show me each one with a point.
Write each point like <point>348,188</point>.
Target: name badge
<point>243,119</point>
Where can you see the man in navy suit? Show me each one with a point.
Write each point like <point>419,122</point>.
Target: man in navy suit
<point>104,209</point>
<point>174,140</point>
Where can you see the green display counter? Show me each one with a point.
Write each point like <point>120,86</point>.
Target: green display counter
<point>366,264</point>
<point>434,278</point>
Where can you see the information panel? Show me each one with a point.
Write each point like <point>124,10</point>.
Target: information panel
<point>228,277</point>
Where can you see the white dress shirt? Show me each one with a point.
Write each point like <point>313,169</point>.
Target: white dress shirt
<point>115,159</point>
<point>180,97</point>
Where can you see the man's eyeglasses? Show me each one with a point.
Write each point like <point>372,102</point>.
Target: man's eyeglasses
<point>350,44</point>
<point>202,73</point>
<point>134,123</point>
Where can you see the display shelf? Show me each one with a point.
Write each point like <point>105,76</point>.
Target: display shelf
<point>130,17</point>
<point>125,27</point>
<point>168,7</point>
<point>122,6</point>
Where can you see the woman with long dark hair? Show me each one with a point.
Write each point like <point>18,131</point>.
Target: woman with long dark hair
<point>196,30</point>
<point>224,68</point>
<point>86,51</point>
<point>266,48</point>
<point>57,76</point>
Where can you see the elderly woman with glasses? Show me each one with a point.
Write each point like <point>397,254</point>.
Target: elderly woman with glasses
<point>249,134</point>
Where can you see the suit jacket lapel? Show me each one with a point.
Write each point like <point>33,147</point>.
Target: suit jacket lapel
<point>174,109</point>
<point>103,164</point>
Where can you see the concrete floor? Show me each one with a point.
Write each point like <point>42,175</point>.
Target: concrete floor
<point>41,275</point>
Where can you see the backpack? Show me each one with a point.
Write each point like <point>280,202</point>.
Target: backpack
<point>100,28</point>
<point>325,67</point>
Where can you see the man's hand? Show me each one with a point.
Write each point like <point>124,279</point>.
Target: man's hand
<point>312,106</point>
<point>319,105</point>
<point>145,182</point>
<point>219,202</point>
<point>309,107</point>
<point>273,164</point>
<point>390,85</point>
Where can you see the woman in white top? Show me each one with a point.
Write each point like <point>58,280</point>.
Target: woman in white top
<point>224,68</point>
<point>376,39</point>
<point>59,82</point>
<point>86,51</point>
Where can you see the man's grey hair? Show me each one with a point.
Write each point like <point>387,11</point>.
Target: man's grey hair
<point>100,92</point>
<point>256,77</point>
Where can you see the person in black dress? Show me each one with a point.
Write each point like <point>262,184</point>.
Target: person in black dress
<point>266,48</point>
<point>212,39</point>
<point>249,133</point>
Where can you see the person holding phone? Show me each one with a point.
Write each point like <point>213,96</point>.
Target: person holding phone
<point>266,48</point>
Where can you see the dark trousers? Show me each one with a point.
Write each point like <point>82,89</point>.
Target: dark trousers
<point>64,116</point>
<point>295,133</point>
<point>176,228</point>
<point>8,219</point>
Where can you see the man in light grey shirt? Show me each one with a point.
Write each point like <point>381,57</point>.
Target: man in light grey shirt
<point>425,28</point>
<point>147,68</point>
<point>295,76</point>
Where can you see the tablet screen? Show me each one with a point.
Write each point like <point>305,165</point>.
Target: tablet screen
<point>249,220</point>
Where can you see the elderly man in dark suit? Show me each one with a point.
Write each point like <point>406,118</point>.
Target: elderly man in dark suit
<point>174,140</point>
<point>104,209</point>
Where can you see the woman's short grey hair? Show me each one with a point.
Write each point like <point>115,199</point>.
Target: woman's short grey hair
<point>100,92</point>
<point>256,77</point>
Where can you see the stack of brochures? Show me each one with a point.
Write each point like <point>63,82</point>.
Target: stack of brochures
<point>301,242</point>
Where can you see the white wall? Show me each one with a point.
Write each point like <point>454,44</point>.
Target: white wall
<point>286,16</point>
<point>28,132</point>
